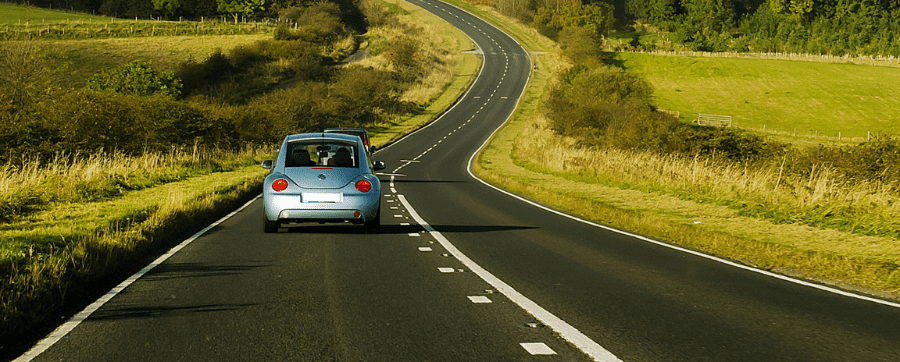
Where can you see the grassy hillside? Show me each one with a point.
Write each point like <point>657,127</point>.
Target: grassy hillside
<point>810,98</point>
<point>90,56</point>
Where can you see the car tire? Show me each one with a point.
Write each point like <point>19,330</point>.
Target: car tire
<point>270,226</point>
<point>374,224</point>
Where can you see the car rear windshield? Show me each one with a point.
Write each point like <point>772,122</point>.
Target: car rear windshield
<point>327,153</point>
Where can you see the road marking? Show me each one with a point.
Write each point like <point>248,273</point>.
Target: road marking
<point>675,247</point>
<point>424,248</point>
<point>446,270</point>
<point>73,322</point>
<point>537,349</point>
<point>414,234</point>
<point>565,330</point>
<point>479,299</point>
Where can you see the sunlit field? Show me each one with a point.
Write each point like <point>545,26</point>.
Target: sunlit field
<point>801,98</point>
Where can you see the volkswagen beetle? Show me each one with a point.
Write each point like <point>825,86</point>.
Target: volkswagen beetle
<point>322,177</point>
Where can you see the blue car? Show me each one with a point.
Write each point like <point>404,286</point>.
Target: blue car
<point>322,177</point>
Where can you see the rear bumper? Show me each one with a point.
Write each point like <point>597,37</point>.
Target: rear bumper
<point>301,215</point>
<point>286,208</point>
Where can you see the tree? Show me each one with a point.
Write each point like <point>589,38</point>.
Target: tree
<point>168,7</point>
<point>792,7</point>
<point>24,71</point>
<point>598,16</point>
<point>240,7</point>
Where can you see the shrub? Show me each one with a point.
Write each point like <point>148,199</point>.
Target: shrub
<point>589,102</point>
<point>197,75</point>
<point>136,78</point>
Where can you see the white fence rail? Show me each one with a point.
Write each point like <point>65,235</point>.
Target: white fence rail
<point>713,120</point>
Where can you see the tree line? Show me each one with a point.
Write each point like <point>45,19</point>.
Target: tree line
<point>828,27</point>
<point>195,9</point>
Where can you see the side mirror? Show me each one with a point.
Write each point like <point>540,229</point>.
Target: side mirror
<point>267,164</point>
<point>378,165</point>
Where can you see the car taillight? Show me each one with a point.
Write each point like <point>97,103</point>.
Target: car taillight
<point>363,186</point>
<point>279,184</point>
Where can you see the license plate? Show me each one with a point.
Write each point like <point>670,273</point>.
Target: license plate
<point>318,197</point>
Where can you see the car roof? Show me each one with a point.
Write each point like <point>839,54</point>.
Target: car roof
<point>335,129</point>
<point>321,135</point>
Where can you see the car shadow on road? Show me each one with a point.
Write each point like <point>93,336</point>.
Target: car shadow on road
<point>114,313</point>
<point>168,271</point>
<point>397,229</point>
<point>398,181</point>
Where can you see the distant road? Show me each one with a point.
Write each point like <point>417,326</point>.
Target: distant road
<point>463,272</point>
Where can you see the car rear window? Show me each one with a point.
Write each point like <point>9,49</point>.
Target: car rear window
<point>321,153</point>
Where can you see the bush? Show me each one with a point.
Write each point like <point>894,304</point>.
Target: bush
<point>878,159</point>
<point>136,78</point>
<point>197,75</point>
<point>590,102</point>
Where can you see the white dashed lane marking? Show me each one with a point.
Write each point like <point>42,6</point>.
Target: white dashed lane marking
<point>537,349</point>
<point>479,299</point>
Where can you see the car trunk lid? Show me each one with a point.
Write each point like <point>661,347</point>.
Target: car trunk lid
<point>322,177</point>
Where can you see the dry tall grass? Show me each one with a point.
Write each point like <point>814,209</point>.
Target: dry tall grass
<point>822,198</point>
<point>75,178</point>
<point>435,60</point>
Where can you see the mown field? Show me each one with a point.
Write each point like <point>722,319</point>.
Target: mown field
<point>16,14</point>
<point>791,98</point>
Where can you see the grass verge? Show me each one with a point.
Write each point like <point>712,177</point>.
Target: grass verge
<point>56,258</point>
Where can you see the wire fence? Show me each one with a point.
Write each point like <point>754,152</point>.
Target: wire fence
<point>885,61</point>
<point>91,28</point>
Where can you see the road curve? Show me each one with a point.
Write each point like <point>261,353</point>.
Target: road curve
<point>416,291</point>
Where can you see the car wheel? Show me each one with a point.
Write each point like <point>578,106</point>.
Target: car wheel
<point>374,224</point>
<point>270,226</point>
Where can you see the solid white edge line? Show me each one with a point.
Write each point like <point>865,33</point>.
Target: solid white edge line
<point>671,246</point>
<point>569,333</point>
<point>73,322</point>
<point>574,336</point>
<point>685,250</point>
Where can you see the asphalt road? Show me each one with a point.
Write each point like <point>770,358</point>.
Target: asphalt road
<point>463,272</point>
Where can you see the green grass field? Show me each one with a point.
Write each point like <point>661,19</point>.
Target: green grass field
<point>16,14</point>
<point>784,96</point>
<point>88,57</point>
